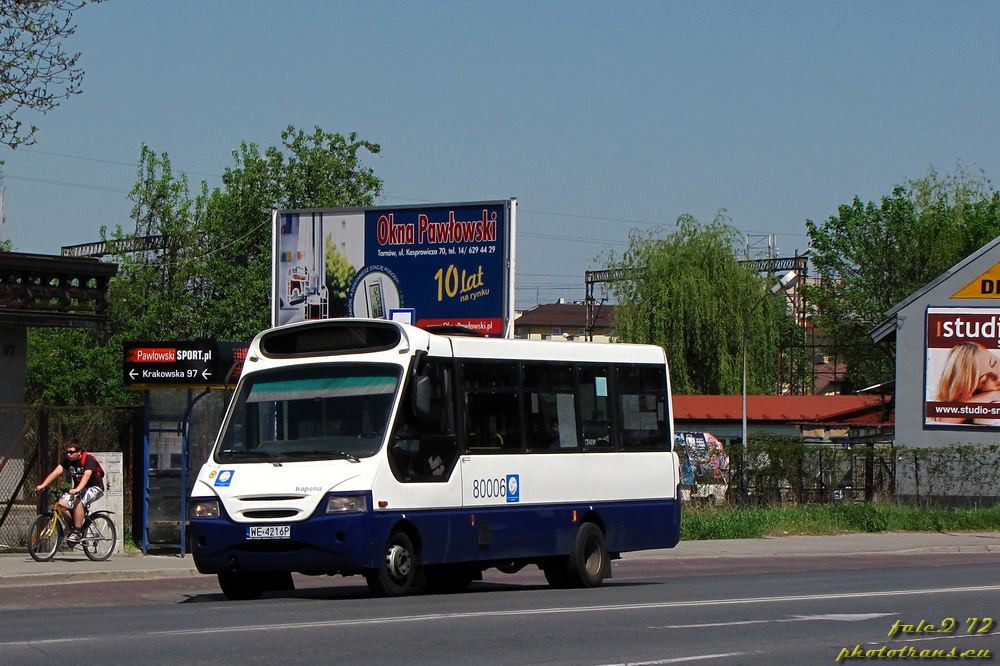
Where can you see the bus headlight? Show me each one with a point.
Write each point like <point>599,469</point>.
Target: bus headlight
<point>205,509</point>
<point>347,504</point>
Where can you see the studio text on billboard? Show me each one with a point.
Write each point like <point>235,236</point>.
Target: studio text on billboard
<point>962,367</point>
<point>447,264</point>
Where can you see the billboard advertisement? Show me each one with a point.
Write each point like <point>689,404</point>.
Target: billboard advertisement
<point>962,367</point>
<point>433,265</point>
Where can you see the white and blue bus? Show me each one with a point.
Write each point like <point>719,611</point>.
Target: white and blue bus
<point>421,458</point>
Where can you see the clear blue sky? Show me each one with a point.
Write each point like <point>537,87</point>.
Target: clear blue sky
<point>601,118</point>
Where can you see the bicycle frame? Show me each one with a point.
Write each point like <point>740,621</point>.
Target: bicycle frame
<point>50,529</point>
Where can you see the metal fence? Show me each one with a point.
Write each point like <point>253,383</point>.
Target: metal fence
<point>31,443</point>
<point>773,472</point>
<point>791,472</point>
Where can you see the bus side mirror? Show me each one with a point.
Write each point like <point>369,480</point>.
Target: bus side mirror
<point>422,397</point>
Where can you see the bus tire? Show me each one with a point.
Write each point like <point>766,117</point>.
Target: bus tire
<point>588,561</point>
<point>394,578</point>
<point>241,586</point>
<point>555,572</point>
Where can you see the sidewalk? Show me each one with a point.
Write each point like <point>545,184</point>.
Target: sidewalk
<point>74,567</point>
<point>841,544</point>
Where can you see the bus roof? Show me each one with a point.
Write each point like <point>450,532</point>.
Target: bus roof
<point>556,351</point>
<point>461,346</point>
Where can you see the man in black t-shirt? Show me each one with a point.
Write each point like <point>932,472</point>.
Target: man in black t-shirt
<point>88,484</point>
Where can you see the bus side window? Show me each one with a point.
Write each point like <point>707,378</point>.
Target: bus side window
<point>492,415</point>
<point>492,422</point>
<point>642,408</point>
<point>426,449</point>
<point>594,408</point>
<point>550,406</point>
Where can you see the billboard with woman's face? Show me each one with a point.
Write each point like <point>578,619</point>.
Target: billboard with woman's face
<point>962,368</point>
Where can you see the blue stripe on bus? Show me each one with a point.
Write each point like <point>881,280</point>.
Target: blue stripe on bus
<point>350,543</point>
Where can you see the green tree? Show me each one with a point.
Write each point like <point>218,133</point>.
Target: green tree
<point>317,170</point>
<point>209,276</point>
<point>37,72</point>
<point>690,294</point>
<point>871,256</point>
<point>150,299</point>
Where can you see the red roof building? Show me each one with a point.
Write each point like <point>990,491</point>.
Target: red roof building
<point>839,419</point>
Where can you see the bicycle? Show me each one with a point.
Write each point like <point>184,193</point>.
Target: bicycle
<point>49,529</point>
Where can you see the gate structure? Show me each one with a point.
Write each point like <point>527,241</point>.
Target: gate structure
<point>179,427</point>
<point>31,443</point>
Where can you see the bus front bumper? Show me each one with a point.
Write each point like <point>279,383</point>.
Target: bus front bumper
<point>320,545</point>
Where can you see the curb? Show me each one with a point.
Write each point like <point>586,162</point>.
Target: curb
<point>60,578</point>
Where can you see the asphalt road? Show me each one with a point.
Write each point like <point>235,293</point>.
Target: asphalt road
<point>797,612</point>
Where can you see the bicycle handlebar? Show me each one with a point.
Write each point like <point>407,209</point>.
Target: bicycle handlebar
<point>57,493</point>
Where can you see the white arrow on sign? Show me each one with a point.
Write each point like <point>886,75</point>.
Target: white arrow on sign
<point>131,373</point>
<point>205,374</point>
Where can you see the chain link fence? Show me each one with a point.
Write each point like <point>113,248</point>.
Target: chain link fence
<point>775,469</point>
<point>772,470</point>
<point>32,439</point>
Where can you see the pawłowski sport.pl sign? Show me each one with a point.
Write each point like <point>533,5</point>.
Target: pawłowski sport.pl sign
<point>183,364</point>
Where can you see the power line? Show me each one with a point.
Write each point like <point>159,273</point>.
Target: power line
<point>95,159</point>
<point>384,196</point>
<point>62,183</point>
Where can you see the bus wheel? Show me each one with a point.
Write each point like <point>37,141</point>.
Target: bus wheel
<point>399,568</point>
<point>447,578</point>
<point>555,572</point>
<point>240,586</point>
<point>588,562</point>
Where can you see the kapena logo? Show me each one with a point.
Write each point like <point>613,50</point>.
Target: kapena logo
<point>307,489</point>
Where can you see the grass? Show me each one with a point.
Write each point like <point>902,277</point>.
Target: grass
<point>129,544</point>
<point>818,519</point>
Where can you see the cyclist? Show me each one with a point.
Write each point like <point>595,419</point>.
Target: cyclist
<point>88,485</point>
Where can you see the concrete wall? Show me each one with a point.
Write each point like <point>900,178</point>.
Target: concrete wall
<point>114,494</point>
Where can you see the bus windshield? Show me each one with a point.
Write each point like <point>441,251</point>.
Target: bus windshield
<point>313,413</point>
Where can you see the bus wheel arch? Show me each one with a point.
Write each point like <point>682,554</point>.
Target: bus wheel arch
<point>399,566</point>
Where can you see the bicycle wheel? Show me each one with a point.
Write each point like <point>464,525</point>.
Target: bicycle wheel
<point>44,538</point>
<point>99,537</point>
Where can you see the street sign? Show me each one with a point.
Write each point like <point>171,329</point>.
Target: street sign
<point>182,364</point>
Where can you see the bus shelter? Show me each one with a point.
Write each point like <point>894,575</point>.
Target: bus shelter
<point>186,388</point>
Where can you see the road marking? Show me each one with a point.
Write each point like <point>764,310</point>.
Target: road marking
<point>45,641</point>
<point>326,624</point>
<point>681,660</point>
<point>832,617</point>
<point>572,609</point>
